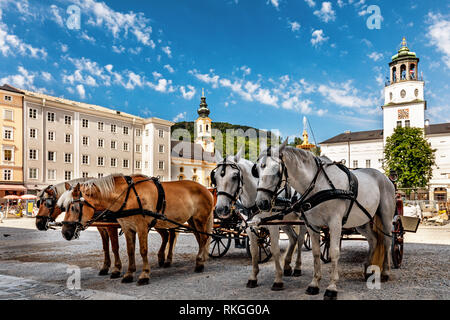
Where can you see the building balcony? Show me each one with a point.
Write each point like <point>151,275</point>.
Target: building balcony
<point>403,79</point>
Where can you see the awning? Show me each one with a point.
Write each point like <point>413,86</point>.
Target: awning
<point>14,187</point>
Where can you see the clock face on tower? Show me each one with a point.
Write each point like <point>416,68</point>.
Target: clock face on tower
<point>403,114</point>
<point>403,93</point>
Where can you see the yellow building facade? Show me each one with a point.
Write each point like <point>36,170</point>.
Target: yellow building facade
<point>11,141</point>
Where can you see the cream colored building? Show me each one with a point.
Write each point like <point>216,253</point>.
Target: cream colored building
<point>11,141</point>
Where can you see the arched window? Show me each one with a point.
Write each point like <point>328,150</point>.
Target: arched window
<point>412,71</point>
<point>181,169</point>
<point>194,178</point>
<point>181,177</point>
<point>402,72</point>
<point>207,128</point>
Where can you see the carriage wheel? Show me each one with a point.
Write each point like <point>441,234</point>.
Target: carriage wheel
<point>263,238</point>
<point>397,244</point>
<point>220,243</point>
<point>325,247</point>
<point>307,241</point>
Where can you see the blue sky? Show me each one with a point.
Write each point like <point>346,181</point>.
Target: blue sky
<point>262,63</point>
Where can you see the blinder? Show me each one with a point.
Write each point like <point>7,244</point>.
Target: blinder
<point>255,172</point>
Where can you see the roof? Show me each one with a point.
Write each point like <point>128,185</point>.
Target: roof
<point>356,136</point>
<point>7,87</point>
<point>437,128</point>
<point>189,150</point>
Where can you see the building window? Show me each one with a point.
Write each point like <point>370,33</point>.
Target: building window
<point>207,128</point>
<point>161,165</point>
<point>147,132</point>
<point>125,146</point>
<point>407,123</point>
<point>126,163</point>
<point>32,154</point>
<point>33,133</point>
<point>194,178</point>
<point>51,174</point>
<point>367,163</point>
<point>113,162</point>
<point>100,161</point>
<point>181,169</point>
<point>200,128</point>
<point>125,130</point>
<point>67,157</point>
<point>113,128</point>
<point>138,148</point>
<point>68,138</point>
<point>85,174</point>
<point>100,175</point>
<point>138,132</point>
<point>68,120</point>
<point>7,174</point>
<point>50,116</point>
<point>7,155</point>
<point>8,114</point>
<point>51,136</point>
<point>355,163</point>
<point>32,173</point>
<point>100,143</point>
<point>138,165</point>
<point>100,126</point>
<point>113,144</point>
<point>67,175</point>
<point>32,113</point>
<point>8,134</point>
<point>180,177</point>
<point>399,124</point>
<point>51,156</point>
<point>8,98</point>
<point>85,141</point>
<point>85,123</point>
<point>161,148</point>
<point>161,133</point>
<point>85,159</point>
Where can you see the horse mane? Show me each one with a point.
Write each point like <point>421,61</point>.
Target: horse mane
<point>104,184</point>
<point>61,187</point>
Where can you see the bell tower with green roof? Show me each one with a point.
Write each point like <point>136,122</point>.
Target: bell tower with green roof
<point>404,103</point>
<point>203,130</point>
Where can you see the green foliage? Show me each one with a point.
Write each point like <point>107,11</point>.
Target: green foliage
<point>408,153</point>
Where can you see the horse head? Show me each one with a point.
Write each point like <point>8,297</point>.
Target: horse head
<point>48,209</point>
<point>270,171</point>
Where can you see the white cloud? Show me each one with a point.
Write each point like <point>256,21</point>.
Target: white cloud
<point>10,44</point>
<point>188,95</point>
<point>169,68</point>
<point>439,35</point>
<point>118,49</point>
<point>56,15</point>
<point>46,76</point>
<point>81,91</point>
<point>64,48</point>
<point>345,95</point>
<point>213,80</point>
<point>318,37</point>
<point>167,51</point>
<point>246,70</point>
<point>326,13</point>
<point>180,116</point>
<point>310,3</point>
<point>295,26</point>
<point>163,85</point>
<point>23,80</point>
<point>375,56</point>
<point>275,3</point>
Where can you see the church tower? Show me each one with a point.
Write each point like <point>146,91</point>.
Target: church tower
<point>203,132</point>
<point>404,103</point>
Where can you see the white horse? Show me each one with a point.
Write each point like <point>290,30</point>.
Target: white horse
<point>309,175</point>
<point>234,180</point>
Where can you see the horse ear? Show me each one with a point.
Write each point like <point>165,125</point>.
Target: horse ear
<point>238,155</point>
<point>283,145</point>
<point>218,156</point>
<point>67,185</point>
<point>76,190</point>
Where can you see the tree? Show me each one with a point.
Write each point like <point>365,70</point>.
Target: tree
<point>411,156</point>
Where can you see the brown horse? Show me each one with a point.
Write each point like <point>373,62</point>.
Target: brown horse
<point>186,201</point>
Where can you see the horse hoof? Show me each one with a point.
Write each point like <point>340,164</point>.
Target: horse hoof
<point>199,269</point>
<point>143,281</point>
<point>103,272</point>
<point>160,264</point>
<point>330,295</point>
<point>115,275</point>
<point>297,273</point>
<point>277,286</point>
<point>127,279</point>
<point>252,283</point>
<point>384,277</point>
<point>167,264</point>
<point>287,272</point>
<point>312,291</point>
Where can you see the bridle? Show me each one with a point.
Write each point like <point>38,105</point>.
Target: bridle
<point>81,201</point>
<point>233,197</point>
<point>50,203</point>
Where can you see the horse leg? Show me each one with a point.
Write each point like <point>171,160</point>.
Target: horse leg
<point>313,287</point>
<point>114,238</point>
<point>253,280</point>
<point>144,277</point>
<point>275,248</point>
<point>369,234</point>
<point>130,236</point>
<point>287,270</point>
<point>300,240</point>
<point>387,227</point>
<point>107,260</point>
<point>173,236</point>
<point>202,240</point>
<point>335,240</point>
<point>164,233</point>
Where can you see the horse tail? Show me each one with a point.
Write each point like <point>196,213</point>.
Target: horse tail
<point>380,249</point>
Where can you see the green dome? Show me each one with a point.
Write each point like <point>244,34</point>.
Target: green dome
<point>203,111</point>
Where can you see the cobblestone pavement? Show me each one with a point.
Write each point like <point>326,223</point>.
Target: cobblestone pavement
<point>36,265</point>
